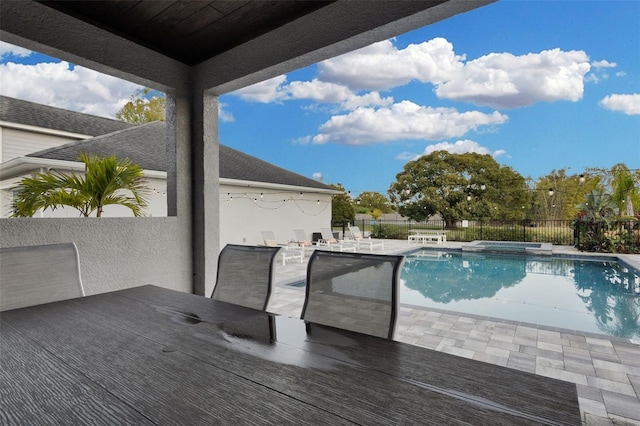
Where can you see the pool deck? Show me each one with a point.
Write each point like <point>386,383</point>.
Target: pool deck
<point>605,370</point>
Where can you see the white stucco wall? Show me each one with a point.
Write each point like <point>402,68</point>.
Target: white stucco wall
<point>243,218</point>
<point>115,253</point>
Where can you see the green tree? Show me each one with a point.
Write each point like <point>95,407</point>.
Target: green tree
<point>459,186</point>
<point>625,189</point>
<point>143,107</point>
<point>557,195</point>
<point>106,181</point>
<point>341,206</point>
<point>596,214</point>
<point>598,206</point>
<point>369,201</point>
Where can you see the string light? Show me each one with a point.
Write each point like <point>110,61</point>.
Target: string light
<point>275,201</point>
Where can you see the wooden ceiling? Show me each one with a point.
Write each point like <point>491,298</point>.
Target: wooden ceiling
<point>188,31</point>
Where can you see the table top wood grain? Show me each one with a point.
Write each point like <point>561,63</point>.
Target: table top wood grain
<point>149,355</point>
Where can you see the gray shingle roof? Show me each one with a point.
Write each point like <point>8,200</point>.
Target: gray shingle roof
<point>33,114</point>
<point>145,145</point>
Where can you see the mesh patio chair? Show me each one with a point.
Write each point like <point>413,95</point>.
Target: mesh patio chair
<point>353,291</point>
<point>34,275</point>
<point>245,275</point>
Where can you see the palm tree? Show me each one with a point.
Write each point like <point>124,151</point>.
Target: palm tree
<point>106,181</point>
<point>597,211</point>
<point>599,206</point>
<point>625,188</point>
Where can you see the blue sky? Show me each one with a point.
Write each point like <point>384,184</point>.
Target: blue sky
<point>539,85</point>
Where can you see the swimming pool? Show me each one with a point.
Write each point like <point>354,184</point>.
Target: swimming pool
<point>592,295</point>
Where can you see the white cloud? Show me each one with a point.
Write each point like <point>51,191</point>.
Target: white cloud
<point>502,80</point>
<point>60,85</point>
<point>223,114</point>
<point>627,104</point>
<point>458,147</point>
<point>266,91</point>
<point>406,156</point>
<point>382,66</point>
<point>404,120</point>
<point>7,50</point>
<point>302,140</point>
<point>318,176</point>
<point>604,64</point>
<point>315,90</point>
<point>462,147</point>
<point>331,93</point>
<point>498,80</point>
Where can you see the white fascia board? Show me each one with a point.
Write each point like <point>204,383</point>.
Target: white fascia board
<point>21,165</point>
<point>37,129</point>
<point>277,186</point>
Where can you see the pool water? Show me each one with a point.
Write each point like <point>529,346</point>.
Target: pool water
<point>591,295</point>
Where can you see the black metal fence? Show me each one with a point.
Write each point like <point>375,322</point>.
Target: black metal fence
<point>616,236</point>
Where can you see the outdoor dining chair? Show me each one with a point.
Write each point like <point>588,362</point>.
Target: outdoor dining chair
<point>353,291</point>
<point>245,275</point>
<point>34,275</point>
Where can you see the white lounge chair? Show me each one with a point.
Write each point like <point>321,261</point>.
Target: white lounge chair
<point>360,240</point>
<point>329,242</point>
<point>288,253</point>
<point>304,241</point>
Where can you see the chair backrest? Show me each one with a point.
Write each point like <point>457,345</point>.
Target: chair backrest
<point>355,233</point>
<point>245,275</point>
<point>327,235</point>
<point>269,238</point>
<point>301,238</point>
<point>353,291</point>
<point>34,275</point>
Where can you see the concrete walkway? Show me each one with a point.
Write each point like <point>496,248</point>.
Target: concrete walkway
<point>605,370</point>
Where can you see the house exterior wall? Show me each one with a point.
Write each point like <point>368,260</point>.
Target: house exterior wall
<point>18,142</point>
<point>244,218</point>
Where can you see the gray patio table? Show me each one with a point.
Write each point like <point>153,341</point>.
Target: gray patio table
<point>149,355</point>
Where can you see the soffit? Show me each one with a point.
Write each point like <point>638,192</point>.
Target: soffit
<point>188,31</point>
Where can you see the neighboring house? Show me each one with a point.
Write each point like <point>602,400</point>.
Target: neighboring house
<point>255,195</point>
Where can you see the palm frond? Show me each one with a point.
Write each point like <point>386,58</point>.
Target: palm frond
<point>106,181</point>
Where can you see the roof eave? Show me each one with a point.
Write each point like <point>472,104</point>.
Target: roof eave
<point>21,165</point>
<point>44,130</point>
<point>277,186</point>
